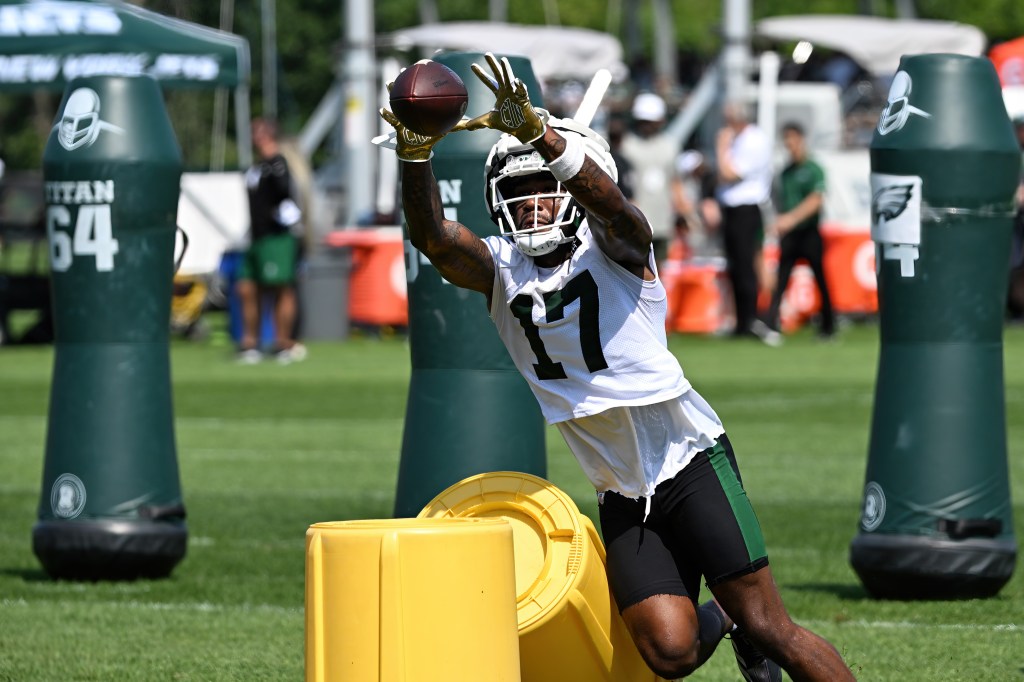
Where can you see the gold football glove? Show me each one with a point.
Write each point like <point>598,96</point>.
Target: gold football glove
<point>512,113</point>
<point>409,146</point>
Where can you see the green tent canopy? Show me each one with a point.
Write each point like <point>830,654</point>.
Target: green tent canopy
<point>45,43</point>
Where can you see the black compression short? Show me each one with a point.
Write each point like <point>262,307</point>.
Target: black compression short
<point>701,523</point>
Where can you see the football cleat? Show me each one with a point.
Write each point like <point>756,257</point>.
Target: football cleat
<point>753,665</point>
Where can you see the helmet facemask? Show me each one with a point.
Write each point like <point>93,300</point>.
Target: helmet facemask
<point>543,234</point>
<point>510,160</point>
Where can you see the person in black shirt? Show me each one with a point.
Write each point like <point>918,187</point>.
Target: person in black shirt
<point>268,269</point>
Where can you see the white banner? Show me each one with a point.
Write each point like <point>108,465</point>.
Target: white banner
<point>44,68</point>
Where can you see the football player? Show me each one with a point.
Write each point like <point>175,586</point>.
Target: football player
<point>572,286</point>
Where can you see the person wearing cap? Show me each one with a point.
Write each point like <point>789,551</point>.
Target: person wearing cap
<point>744,158</point>
<point>652,150</point>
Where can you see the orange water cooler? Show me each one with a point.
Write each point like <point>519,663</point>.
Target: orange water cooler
<point>377,285</point>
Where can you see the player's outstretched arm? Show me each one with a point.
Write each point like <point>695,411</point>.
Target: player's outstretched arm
<point>620,228</point>
<point>513,113</point>
<point>458,254</point>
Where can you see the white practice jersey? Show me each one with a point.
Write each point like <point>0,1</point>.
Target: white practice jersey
<point>630,450</point>
<point>588,335</point>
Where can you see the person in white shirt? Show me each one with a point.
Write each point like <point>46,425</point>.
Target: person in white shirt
<point>573,289</point>
<point>744,159</point>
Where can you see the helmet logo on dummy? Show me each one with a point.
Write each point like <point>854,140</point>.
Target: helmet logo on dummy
<point>874,507</point>
<point>67,496</point>
<point>80,123</point>
<point>899,109</point>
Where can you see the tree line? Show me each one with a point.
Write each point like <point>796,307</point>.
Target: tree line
<point>310,35</point>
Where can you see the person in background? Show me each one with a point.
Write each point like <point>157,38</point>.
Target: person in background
<point>627,177</point>
<point>1015,297</point>
<point>700,215</point>
<point>304,230</point>
<point>269,266</point>
<point>744,183</point>
<point>651,150</point>
<point>800,197</point>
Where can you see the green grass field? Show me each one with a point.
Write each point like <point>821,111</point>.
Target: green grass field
<point>266,450</point>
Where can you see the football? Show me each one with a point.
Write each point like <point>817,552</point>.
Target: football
<point>429,98</point>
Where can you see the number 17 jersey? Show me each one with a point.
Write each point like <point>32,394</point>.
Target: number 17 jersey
<point>588,335</point>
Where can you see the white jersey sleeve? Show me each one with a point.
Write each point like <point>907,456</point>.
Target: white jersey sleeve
<point>588,335</point>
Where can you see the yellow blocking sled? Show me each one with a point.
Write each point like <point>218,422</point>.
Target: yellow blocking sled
<point>411,600</point>
<point>569,627</point>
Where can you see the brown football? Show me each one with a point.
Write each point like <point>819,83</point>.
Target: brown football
<point>429,98</point>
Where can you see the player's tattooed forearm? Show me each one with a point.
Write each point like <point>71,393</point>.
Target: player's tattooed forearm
<point>589,180</point>
<point>608,209</point>
<point>460,259</point>
<point>557,147</point>
<point>419,190</point>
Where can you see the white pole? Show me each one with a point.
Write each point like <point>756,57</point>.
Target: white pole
<point>768,95</point>
<point>269,17</point>
<point>905,9</point>
<point>551,16</point>
<point>664,43</point>
<point>428,12</point>
<point>243,126</point>
<point>736,53</point>
<point>387,182</point>
<point>361,103</point>
<point>220,99</point>
<point>497,10</point>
